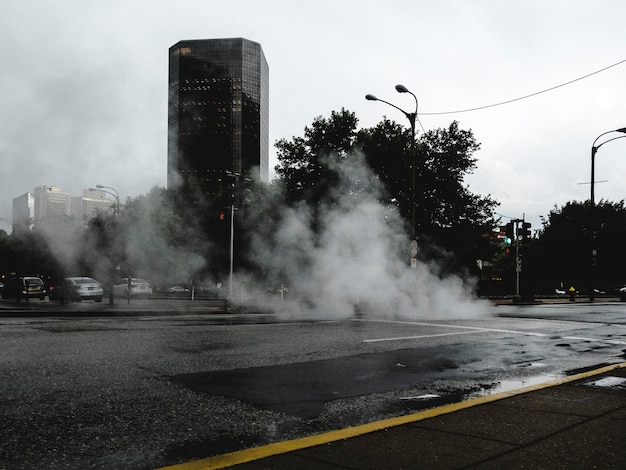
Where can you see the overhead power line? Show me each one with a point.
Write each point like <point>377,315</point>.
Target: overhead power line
<point>526,96</point>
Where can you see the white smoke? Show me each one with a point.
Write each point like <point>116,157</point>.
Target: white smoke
<point>345,256</point>
<point>63,239</point>
<point>357,260</point>
<point>140,245</point>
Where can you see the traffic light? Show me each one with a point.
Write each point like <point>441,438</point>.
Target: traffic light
<point>222,215</point>
<point>509,231</point>
<point>526,233</point>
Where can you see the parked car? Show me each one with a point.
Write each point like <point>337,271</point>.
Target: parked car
<point>622,294</point>
<point>177,290</point>
<point>135,288</point>
<point>77,289</point>
<point>24,287</point>
<point>55,290</point>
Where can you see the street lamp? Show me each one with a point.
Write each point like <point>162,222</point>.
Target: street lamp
<point>594,150</point>
<point>114,193</point>
<point>411,117</point>
<point>234,187</point>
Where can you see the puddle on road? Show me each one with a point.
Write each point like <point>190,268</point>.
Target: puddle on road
<point>508,385</point>
<point>611,382</point>
<point>431,400</point>
<point>515,383</point>
<point>411,404</point>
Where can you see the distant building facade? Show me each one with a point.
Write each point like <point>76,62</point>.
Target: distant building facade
<point>49,204</point>
<point>218,117</point>
<point>23,212</point>
<point>93,201</point>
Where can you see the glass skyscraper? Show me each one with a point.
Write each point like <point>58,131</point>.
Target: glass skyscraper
<point>218,117</point>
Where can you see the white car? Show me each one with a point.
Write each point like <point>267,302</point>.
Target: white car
<point>177,290</point>
<point>135,288</point>
<point>82,288</point>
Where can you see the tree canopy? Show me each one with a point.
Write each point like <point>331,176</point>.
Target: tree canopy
<point>449,218</point>
<point>305,166</point>
<point>333,165</point>
<point>569,233</point>
<point>333,169</point>
<point>152,236</point>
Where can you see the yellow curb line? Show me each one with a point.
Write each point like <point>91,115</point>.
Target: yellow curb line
<point>257,453</point>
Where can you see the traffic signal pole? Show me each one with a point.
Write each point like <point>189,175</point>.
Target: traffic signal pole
<point>518,230</point>
<point>518,261</point>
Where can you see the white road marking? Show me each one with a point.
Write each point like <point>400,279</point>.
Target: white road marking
<point>581,338</point>
<point>401,338</point>
<point>474,329</point>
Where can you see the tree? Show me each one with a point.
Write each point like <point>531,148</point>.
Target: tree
<point>27,254</point>
<point>449,216</point>
<point>151,237</point>
<point>447,211</point>
<point>564,245</point>
<point>450,220</point>
<point>387,148</point>
<point>101,249</point>
<point>305,163</point>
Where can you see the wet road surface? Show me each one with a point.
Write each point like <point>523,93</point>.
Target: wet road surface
<point>156,388</point>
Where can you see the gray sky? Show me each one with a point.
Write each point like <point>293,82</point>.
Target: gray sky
<point>83,85</point>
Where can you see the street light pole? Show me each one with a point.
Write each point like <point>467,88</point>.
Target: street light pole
<point>411,117</point>
<point>594,251</point>
<point>115,194</point>
<point>232,250</point>
<point>235,187</point>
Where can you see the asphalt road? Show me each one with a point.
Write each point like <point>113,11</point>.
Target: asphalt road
<point>155,384</point>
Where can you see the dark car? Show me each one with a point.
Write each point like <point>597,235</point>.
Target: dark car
<point>24,287</point>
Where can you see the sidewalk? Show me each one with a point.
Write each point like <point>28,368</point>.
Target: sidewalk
<point>574,422</point>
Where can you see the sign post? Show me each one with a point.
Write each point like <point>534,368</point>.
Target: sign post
<point>413,254</point>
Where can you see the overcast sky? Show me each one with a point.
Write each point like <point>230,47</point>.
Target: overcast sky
<point>83,85</point>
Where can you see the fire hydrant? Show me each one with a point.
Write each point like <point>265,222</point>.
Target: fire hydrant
<point>572,294</point>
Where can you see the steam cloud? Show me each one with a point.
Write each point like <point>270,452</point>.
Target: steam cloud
<point>358,261</point>
<point>348,255</point>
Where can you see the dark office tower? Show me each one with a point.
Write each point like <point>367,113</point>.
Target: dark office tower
<point>218,118</point>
